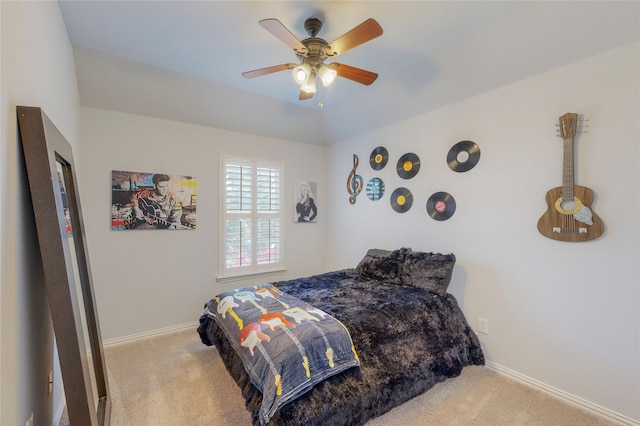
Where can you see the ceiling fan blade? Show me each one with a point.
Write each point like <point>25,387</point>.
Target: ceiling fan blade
<point>276,28</point>
<point>267,70</point>
<point>305,95</point>
<point>364,32</point>
<point>352,73</point>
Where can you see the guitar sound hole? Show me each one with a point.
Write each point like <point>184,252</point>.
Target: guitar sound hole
<point>568,205</point>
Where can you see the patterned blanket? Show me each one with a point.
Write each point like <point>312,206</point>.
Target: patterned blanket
<point>286,345</point>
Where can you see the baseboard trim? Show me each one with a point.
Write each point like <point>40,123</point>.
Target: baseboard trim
<point>149,334</point>
<point>595,409</point>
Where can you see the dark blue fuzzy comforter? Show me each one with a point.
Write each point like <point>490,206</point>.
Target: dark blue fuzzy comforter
<point>407,338</point>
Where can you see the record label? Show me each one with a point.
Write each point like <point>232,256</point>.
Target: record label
<point>378,158</point>
<point>463,156</point>
<point>401,200</point>
<point>408,165</point>
<point>441,206</point>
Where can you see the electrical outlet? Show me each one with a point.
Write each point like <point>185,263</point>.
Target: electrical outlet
<point>483,326</point>
<point>30,420</point>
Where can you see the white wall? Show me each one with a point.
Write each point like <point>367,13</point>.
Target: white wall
<point>564,314</point>
<point>37,70</point>
<point>151,280</point>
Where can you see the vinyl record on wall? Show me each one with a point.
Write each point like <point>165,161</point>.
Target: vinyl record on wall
<point>401,200</point>
<point>378,158</point>
<point>408,165</point>
<point>375,189</point>
<point>441,206</point>
<point>463,156</point>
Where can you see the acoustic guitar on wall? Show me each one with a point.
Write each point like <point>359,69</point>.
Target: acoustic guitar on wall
<point>569,216</point>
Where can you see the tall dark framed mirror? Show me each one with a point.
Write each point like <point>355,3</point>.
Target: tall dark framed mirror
<point>58,218</point>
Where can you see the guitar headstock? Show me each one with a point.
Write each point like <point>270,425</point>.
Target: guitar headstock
<point>570,125</point>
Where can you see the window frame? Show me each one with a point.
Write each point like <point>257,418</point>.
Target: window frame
<point>253,269</point>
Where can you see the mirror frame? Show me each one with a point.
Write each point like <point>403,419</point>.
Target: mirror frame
<point>44,147</point>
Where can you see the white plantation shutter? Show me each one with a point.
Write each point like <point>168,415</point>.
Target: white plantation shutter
<point>251,217</point>
<point>268,206</point>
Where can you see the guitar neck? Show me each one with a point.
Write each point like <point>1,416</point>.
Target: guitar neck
<point>568,128</point>
<point>164,222</point>
<point>568,177</point>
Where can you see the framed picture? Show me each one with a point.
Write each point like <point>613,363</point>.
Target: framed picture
<point>305,204</point>
<point>65,261</point>
<point>141,200</point>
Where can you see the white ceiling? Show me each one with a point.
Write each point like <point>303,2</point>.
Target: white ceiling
<point>182,60</point>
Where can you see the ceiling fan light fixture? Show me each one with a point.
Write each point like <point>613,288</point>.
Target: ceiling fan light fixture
<point>310,85</point>
<point>327,75</point>
<point>301,73</point>
<point>313,51</point>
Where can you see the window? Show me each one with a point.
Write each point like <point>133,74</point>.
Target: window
<point>251,217</point>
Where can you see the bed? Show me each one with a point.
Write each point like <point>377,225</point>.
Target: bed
<point>407,334</point>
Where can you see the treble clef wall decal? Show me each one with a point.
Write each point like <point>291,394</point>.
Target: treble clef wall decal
<point>354,182</point>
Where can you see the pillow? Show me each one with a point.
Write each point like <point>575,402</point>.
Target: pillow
<point>383,264</point>
<point>429,271</point>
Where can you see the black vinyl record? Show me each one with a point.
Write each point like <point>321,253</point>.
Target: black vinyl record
<point>441,206</point>
<point>463,156</point>
<point>408,165</point>
<point>378,158</point>
<point>401,200</point>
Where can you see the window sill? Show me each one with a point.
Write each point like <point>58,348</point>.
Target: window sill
<point>251,276</point>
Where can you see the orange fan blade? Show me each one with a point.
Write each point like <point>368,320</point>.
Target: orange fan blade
<point>305,95</point>
<point>364,32</point>
<point>352,73</point>
<point>268,70</point>
<point>276,28</point>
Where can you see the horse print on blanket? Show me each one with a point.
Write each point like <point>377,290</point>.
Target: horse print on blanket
<point>286,345</point>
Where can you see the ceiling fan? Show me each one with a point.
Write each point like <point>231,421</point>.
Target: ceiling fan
<point>313,51</point>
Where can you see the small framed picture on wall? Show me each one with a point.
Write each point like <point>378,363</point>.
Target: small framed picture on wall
<point>305,203</point>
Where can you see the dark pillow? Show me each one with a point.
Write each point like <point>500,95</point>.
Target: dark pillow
<point>429,271</point>
<point>383,264</point>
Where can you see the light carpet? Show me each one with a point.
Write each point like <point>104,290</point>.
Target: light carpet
<point>175,380</point>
